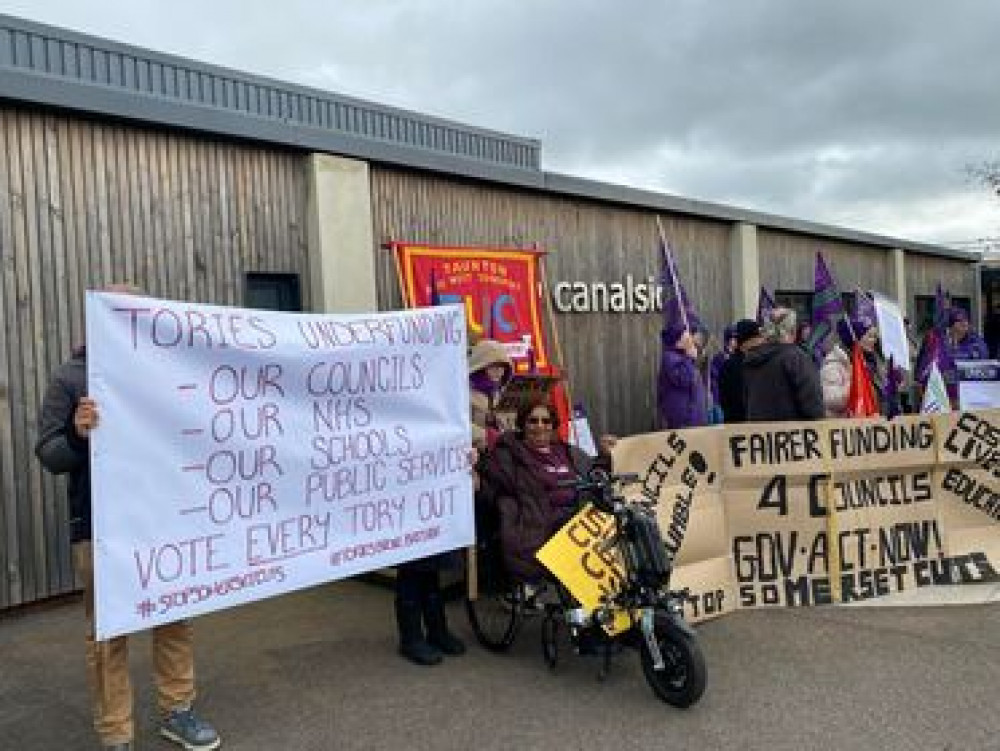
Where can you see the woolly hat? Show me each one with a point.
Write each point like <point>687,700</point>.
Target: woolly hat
<point>671,334</point>
<point>746,329</point>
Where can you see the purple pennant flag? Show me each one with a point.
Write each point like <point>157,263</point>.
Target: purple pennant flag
<point>864,307</point>
<point>827,307</point>
<point>942,304</point>
<point>675,297</point>
<point>765,304</point>
<point>893,379</point>
<point>826,302</point>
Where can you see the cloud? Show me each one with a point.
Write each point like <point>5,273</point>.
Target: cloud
<point>858,110</point>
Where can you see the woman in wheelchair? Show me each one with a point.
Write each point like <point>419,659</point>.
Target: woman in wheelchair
<point>526,478</point>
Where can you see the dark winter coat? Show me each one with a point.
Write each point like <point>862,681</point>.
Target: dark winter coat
<point>59,448</point>
<point>527,518</point>
<point>781,382</point>
<point>732,396</point>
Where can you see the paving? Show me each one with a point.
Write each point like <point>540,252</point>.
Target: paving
<point>317,670</point>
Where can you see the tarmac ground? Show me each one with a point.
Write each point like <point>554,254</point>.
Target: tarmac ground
<point>318,670</point>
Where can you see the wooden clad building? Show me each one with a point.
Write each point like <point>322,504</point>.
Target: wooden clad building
<point>199,183</point>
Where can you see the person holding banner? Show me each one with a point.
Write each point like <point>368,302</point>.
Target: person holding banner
<point>424,636</point>
<point>490,369</point>
<point>780,380</point>
<point>681,398</point>
<point>67,419</point>
<point>528,476</point>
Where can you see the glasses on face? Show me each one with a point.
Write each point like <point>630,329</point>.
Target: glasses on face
<point>536,420</point>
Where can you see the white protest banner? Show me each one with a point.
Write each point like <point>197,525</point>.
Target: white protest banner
<point>892,332</point>
<point>242,454</point>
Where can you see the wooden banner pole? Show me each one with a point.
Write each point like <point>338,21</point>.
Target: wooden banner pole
<point>668,257</point>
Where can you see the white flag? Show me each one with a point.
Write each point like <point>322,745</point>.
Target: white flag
<point>935,394</point>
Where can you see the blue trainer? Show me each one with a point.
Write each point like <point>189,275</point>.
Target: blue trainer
<point>184,727</point>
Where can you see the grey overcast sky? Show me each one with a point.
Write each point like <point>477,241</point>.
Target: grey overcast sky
<point>859,113</point>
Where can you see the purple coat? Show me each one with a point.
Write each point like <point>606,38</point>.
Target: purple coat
<point>972,347</point>
<point>680,392</point>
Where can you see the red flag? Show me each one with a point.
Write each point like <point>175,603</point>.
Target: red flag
<point>861,401</point>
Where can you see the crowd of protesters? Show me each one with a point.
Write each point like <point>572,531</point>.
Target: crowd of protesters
<point>766,370</point>
<point>772,370</point>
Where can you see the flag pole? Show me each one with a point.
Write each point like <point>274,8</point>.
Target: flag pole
<point>668,257</point>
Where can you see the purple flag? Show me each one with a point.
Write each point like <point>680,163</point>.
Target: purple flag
<point>893,379</point>
<point>765,304</point>
<point>942,304</point>
<point>826,301</point>
<point>827,306</point>
<point>864,307</point>
<point>675,297</point>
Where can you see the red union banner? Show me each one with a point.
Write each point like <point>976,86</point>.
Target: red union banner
<point>499,287</point>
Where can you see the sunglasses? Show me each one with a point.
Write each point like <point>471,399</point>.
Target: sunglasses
<point>539,420</point>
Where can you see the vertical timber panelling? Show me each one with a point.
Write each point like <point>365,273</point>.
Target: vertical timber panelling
<point>787,262</point>
<point>612,357</point>
<point>924,273</point>
<point>85,203</point>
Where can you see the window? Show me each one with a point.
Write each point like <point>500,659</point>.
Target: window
<point>923,313</point>
<point>800,302</point>
<point>273,292</point>
<point>923,310</point>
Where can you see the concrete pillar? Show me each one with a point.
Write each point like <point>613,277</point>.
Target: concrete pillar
<point>340,236</point>
<point>746,270</point>
<point>897,278</point>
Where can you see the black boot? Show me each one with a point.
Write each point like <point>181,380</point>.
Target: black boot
<point>438,634</point>
<point>412,644</point>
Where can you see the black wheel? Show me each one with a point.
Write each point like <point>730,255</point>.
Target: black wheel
<point>682,680</point>
<point>550,640</point>
<point>495,616</point>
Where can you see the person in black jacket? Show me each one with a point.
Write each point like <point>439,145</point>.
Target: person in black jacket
<point>68,416</point>
<point>732,393</point>
<point>781,381</point>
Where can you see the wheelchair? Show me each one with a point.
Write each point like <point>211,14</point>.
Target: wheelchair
<point>671,659</point>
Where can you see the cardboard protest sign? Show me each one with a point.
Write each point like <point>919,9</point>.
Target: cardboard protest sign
<point>679,471</point>
<point>752,451</point>
<point>580,557</point>
<point>243,454</point>
<point>967,485</point>
<point>780,550</point>
<point>863,445</point>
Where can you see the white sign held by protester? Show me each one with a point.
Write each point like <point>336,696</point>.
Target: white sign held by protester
<point>244,453</point>
<point>892,332</point>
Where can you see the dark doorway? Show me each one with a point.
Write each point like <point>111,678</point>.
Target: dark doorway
<point>990,280</point>
<point>274,292</point>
